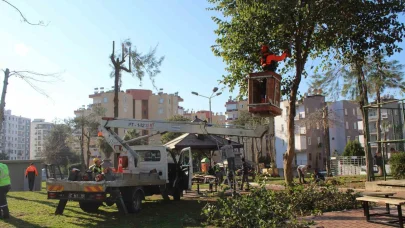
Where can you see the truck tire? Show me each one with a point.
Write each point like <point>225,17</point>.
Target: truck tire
<point>135,205</point>
<point>89,207</point>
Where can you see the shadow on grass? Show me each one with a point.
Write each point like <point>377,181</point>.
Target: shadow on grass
<point>19,222</point>
<point>157,213</point>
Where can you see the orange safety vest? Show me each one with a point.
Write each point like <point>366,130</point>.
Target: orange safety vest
<point>30,169</point>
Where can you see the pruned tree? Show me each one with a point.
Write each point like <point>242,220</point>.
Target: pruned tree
<point>24,19</point>
<point>142,63</point>
<point>301,26</point>
<point>31,78</point>
<point>132,134</point>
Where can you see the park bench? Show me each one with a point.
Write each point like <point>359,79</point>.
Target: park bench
<point>383,200</point>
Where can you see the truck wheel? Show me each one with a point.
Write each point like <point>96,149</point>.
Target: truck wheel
<point>135,205</point>
<point>177,193</point>
<point>89,207</point>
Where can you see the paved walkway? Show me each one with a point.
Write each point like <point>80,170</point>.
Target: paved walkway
<point>347,219</point>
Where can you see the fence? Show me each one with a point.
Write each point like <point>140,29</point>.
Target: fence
<point>346,165</point>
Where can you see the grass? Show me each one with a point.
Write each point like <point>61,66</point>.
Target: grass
<point>33,209</point>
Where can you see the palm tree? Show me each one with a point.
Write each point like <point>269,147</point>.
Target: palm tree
<point>383,75</point>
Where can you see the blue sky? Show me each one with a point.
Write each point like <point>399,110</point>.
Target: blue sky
<point>78,42</point>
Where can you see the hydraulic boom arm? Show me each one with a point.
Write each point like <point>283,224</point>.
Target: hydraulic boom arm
<point>181,127</point>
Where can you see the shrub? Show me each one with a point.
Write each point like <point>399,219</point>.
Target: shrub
<point>397,162</point>
<point>263,208</point>
<point>353,148</point>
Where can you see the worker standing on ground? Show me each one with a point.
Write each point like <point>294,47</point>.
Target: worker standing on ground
<point>230,156</point>
<point>302,169</point>
<point>31,172</point>
<point>5,185</point>
<point>245,174</point>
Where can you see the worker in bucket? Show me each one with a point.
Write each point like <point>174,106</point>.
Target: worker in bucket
<point>97,169</point>
<point>5,186</point>
<point>31,172</point>
<point>268,61</point>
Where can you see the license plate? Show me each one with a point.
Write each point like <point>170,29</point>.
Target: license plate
<point>76,196</point>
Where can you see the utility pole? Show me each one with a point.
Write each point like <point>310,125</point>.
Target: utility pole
<point>3,96</point>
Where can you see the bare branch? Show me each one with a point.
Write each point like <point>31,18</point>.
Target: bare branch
<point>30,76</point>
<point>40,23</point>
<point>125,69</point>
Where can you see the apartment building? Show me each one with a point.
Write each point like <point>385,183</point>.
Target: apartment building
<point>15,136</point>
<point>217,118</point>
<point>344,127</point>
<point>39,131</point>
<point>234,109</point>
<point>309,141</point>
<point>137,104</point>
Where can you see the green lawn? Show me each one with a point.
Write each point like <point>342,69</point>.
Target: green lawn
<point>32,209</point>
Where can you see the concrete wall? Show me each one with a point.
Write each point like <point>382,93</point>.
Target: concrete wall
<point>17,174</point>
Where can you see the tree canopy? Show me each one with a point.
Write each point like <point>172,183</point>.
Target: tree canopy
<point>353,148</point>
<point>132,134</point>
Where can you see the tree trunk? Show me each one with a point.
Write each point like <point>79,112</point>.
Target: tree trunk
<point>88,150</point>
<point>362,88</point>
<point>290,153</point>
<point>3,96</point>
<point>116,90</point>
<point>272,149</point>
<point>253,152</point>
<point>326,138</point>
<point>82,149</point>
<point>378,127</point>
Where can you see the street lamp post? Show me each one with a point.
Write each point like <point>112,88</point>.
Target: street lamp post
<point>214,94</point>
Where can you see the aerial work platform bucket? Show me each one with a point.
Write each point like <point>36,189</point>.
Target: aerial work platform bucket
<point>264,94</point>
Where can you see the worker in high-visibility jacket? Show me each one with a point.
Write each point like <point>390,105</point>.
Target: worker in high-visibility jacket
<point>31,172</point>
<point>5,185</point>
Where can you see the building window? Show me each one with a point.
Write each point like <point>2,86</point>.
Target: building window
<point>241,106</point>
<point>307,110</point>
<point>347,125</point>
<point>346,111</point>
<point>319,140</point>
<point>396,112</point>
<point>355,125</point>
<point>309,157</point>
<point>317,126</point>
<point>282,127</point>
<point>356,138</point>
<point>354,111</point>
<point>169,101</point>
<point>160,111</point>
<point>161,101</point>
<point>309,140</point>
<point>348,139</point>
<point>105,99</point>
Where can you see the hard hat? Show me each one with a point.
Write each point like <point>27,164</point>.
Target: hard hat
<point>95,160</point>
<point>100,134</point>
